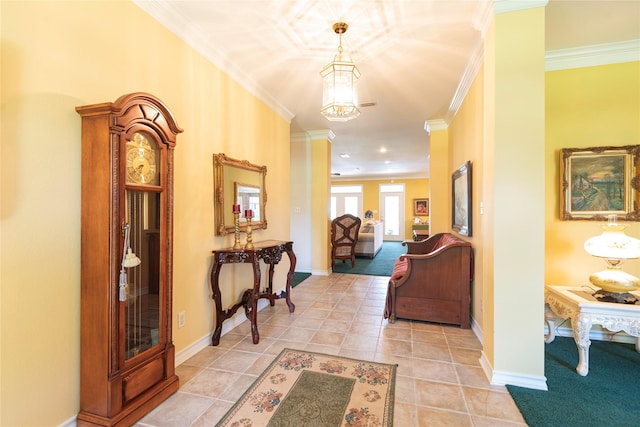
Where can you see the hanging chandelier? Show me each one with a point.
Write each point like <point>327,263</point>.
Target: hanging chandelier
<point>340,84</point>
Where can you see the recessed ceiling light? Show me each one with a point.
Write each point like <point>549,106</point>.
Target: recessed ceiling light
<point>386,162</point>
<point>344,155</point>
<point>383,150</point>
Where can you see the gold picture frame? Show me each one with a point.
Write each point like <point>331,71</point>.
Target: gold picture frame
<point>226,173</point>
<point>596,182</point>
<point>421,207</point>
<point>461,200</point>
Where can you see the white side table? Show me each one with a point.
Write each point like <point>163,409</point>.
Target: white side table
<point>578,304</point>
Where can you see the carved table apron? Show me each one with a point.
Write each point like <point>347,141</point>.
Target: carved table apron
<point>578,304</point>
<point>269,251</point>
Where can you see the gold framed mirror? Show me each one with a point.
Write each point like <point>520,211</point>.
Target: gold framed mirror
<point>238,182</point>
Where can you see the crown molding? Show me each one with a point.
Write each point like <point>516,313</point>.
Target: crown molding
<point>320,134</point>
<point>590,56</point>
<point>438,124</point>
<point>168,15</point>
<point>471,71</point>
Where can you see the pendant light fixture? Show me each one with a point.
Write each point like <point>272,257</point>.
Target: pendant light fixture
<point>340,90</point>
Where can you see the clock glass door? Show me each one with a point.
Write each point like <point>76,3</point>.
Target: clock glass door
<point>142,304</point>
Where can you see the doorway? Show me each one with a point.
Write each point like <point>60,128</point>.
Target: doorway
<point>392,211</point>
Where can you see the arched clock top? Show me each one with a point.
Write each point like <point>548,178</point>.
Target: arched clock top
<point>142,108</point>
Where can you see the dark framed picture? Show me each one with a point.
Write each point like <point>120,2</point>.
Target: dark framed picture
<point>600,181</point>
<point>461,200</point>
<point>420,207</point>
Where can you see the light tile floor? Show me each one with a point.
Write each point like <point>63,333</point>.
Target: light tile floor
<point>439,378</point>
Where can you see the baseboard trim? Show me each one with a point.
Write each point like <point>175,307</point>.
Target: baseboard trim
<point>240,317</point>
<point>519,380</point>
<point>475,327</point>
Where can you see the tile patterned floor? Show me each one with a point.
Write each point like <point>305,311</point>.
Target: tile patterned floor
<point>439,383</point>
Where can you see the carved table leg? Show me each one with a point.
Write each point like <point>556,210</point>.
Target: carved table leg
<point>581,328</point>
<point>550,319</point>
<point>253,303</point>
<point>292,269</point>
<point>272,302</point>
<point>215,289</point>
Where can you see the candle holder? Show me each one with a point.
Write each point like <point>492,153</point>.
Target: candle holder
<point>236,230</point>
<point>249,244</point>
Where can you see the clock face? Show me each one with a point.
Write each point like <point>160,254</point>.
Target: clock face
<point>142,160</point>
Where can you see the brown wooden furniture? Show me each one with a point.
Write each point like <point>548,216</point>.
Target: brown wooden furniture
<point>127,355</point>
<point>269,251</point>
<point>344,236</point>
<point>420,235</point>
<point>420,231</point>
<point>432,281</point>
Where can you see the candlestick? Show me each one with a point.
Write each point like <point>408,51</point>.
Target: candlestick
<point>236,227</point>
<point>249,244</point>
<point>248,213</point>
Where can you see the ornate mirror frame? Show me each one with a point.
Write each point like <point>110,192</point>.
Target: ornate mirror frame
<point>228,174</point>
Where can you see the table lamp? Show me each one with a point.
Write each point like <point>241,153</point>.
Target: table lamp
<point>615,247</point>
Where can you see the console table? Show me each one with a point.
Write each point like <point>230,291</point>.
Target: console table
<point>584,310</point>
<point>420,232</point>
<point>269,251</point>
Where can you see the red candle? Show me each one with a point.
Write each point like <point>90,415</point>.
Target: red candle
<point>248,213</point>
<point>236,208</point>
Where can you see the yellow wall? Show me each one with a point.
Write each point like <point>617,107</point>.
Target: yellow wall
<point>56,56</point>
<point>440,209</point>
<point>517,211</point>
<point>500,129</point>
<point>466,141</point>
<point>414,189</point>
<point>320,193</point>
<point>585,107</point>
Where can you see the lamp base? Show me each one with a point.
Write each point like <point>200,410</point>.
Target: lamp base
<point>615,297</point>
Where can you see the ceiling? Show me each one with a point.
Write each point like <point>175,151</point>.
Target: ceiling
<point>413,56</point>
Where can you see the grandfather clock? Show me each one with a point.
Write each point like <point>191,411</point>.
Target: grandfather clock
<point>127,357</point>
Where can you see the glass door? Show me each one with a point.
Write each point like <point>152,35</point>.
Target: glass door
<point>392,211</point>
<point>345,199</point>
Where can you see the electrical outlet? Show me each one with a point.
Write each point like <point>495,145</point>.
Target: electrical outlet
<point>182,319</point>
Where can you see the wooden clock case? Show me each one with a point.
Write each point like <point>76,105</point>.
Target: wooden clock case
<point>127,356</point>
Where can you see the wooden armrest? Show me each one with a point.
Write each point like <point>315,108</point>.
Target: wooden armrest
<point>421,246</point>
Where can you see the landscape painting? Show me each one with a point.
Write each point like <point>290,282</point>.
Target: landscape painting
<point>600,181</point>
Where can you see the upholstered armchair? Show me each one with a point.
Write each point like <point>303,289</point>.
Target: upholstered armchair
<point>344,236</point>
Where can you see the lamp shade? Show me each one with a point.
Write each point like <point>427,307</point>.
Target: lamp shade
<point>613,243</point>
<point>614,246</point>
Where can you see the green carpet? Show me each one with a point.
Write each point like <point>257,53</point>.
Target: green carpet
<point>381,265</point>
<point>298,278</point>
<point>608,396</point>
<point>316,399</point>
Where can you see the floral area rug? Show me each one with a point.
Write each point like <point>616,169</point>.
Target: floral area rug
<point>302,388</point>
